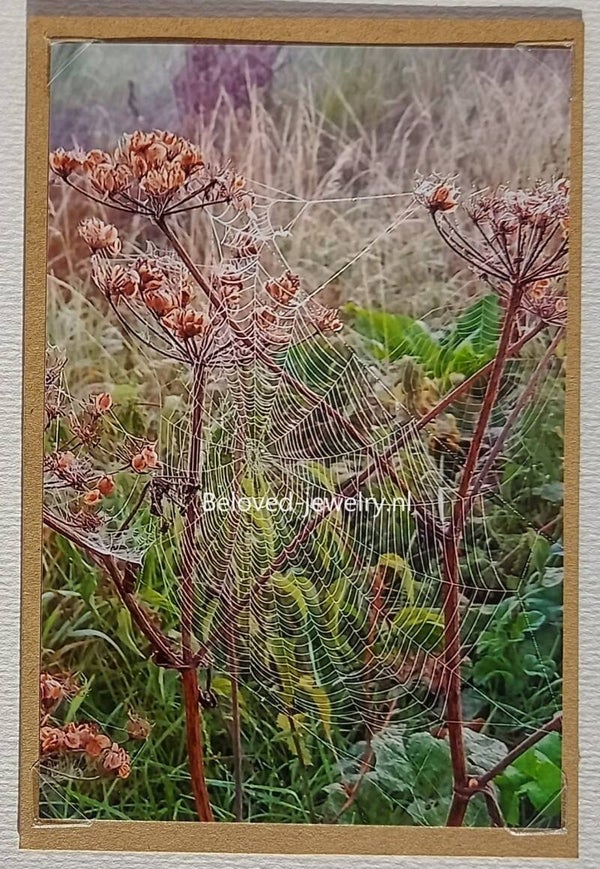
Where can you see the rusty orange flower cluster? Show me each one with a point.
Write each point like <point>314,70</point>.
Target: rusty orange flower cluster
<point>85,738</point>
<point>284,289</point>
<point>163,291</point>
<point>103,488</point>
<point>148,169</point>
<point>100,236</point>
<point>437,194</point>
<point>54,689</point>
<point>145,460</point>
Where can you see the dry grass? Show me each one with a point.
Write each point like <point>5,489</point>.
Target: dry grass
<point>338,123</point>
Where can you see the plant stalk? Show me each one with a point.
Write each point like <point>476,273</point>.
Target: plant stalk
<point>189,567</point>
<point>451,571</point>
<point>193,728</point>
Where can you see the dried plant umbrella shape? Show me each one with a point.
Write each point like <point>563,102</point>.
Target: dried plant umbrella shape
<point>286,502</point>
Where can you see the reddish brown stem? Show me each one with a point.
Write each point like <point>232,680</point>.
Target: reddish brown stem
<point>451,572</point>
<point>193,728</point>
<point>190,554</point>
<point>189,568</point>
<point>552,726</point>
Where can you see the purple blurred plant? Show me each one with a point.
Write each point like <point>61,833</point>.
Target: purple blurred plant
<point>209,71</point>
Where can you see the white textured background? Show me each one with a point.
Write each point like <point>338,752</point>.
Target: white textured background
<point>12,137</point>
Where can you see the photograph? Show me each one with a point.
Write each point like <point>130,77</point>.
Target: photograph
<point>304,499</point>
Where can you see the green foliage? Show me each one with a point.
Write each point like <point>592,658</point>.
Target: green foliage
<point>460,350</point>
<point>411,780</point>
<point>530,788</point>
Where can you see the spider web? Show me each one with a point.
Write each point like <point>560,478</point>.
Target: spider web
<point>294,416</point>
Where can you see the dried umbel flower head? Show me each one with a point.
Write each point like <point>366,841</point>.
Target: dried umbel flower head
<point>85,738</point>
<point>114,280</point>
<point>116,760</point>
<point>328,321</point>
<point>100,236</point>
<point>160,302</point>
<point>437,193</point>
<point>146,459</point>
<point>153,172</point>
<point>284,289</point>
<point>64,163</point>
<point>186,323</point>
<point>93,497</point>
<point>106,486</point>
<point>54,689</point>
<point>513,239</point>
<point>138,728</point>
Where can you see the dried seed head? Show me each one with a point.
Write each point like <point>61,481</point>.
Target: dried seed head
<point>114,280</point>
<point>95,158</point>
<point>185,323</point>
<point>284,288</point>
<point>437,194</point>
<point>138,463</point>
<point>160,182</point>
<point>100,236</point>
<point>93,497</point>
<point>106,486</point>
<point>328,321</point>
<point>77,735</point>
<point>103,402</point>
<point>160,302</point>
<point>65,162</point>
<point>116,760</point>
<point>110,180</point>
<point>95,743</point>
<point>151,276</point>
<point>52,740</point>
<point>137,727</point>
<point>150,456</point>
<point>55,689</point>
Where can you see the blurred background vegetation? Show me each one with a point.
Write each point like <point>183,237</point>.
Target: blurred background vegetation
<point>323,124</point>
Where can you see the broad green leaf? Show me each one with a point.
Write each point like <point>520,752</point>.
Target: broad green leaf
<point>420,625</point>
<point>281,651</point>
<point>399,565</point>
<point>479,325</point>
<point>320,699</point>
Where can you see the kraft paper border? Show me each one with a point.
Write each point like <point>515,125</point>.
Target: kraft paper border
<point>277,838</point>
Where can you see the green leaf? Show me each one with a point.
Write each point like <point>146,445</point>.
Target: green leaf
<point>281,651</point>
<point>420,625</point>
<point>320,699</point>
<point>393,336</point>
<point>78,699</point>
<point>479,326</point>
<point>125,631</point>
<point>290,586</point>
<point>483,752</point>
<point>399,565</point>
